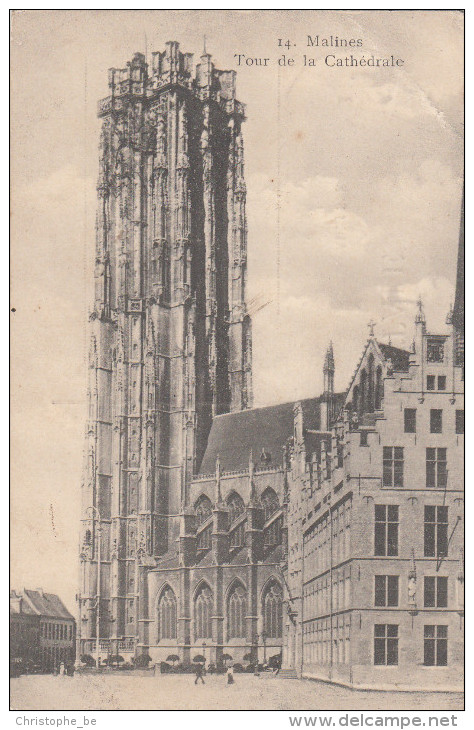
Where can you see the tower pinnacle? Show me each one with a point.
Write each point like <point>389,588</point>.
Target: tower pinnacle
<point>328,370</point>
<point>420,315</point>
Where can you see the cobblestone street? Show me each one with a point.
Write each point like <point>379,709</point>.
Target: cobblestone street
<point>115,692</point>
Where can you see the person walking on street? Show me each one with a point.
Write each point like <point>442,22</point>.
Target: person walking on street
<point>199,673</point>
<point>230,675</point>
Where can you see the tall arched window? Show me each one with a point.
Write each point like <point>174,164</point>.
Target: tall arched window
<point>355,399</point>
<point>371,384</point>
<point>236,612</point>
<point>269,502</point>
<point>363,391</point>
<point>378,388</point>
<point>167,614</point>
<point>272,533</point>
<point>236,506</point>
<point>203,509</point>
<point>273,611</point>
<point>202,613</point>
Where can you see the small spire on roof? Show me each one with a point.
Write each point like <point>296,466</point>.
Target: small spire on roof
<point>253,494</point>
<point>371,326</point>
<point>329,359</point>
<point>420,317</point>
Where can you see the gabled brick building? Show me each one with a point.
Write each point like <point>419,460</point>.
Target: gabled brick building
<point>42,631</point>
<point>375,577</point>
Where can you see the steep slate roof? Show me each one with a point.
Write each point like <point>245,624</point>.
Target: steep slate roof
<point>234,435</point>
<point>47,604</point>
<point>400,358</point>
<point>169,560</point>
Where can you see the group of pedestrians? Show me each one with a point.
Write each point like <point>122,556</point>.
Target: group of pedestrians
<point>200,671</point>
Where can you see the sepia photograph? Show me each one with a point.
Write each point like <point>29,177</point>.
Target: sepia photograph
<point>237,361</point>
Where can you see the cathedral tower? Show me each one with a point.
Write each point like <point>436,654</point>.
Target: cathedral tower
<point>170,343</point>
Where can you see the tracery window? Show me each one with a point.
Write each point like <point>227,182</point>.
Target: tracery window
<point>363,391</point>
<point>272,534</point>
<point>269,502</point>
<point>273,611</point>
<point>371,384</point>
<point>237,536</point>
<point>167,614</point>
<point>203,613</point>
<point>236,506</point>
<point>378,389</point>
<point>355,399</point>
<point>203,509</point>
<point>204,538</point>
<point>236,612</point>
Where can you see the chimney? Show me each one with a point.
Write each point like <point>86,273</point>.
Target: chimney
<point>16,600</point>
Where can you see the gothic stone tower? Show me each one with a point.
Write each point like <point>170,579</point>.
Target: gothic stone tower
<point>170,339</point>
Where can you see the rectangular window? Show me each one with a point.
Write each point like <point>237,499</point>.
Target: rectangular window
<point>386,590</point>
<point>436,646</point>
<point>386,644</point>
<point>430,382</point>
<point>435,350</point>
<point>410,420</point>
<point>436,420</point>
<point>459,421</point>
<point>386,529</point>
<point>436,532</point>
<point>441,382</point>
<point>436,468</point>
<point>436,591</point>
<point>393,466</point>
<point>363,438</point>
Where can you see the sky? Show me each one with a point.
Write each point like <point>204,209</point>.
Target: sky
<point>365,163</point>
